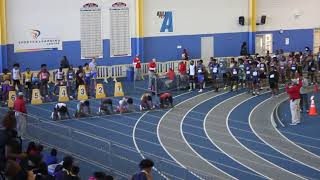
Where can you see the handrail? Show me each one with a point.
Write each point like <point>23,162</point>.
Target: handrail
<point>120,71</point>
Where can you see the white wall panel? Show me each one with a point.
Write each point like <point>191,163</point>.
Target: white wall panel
<point>60,18</point>
<point>196,17</point>
<point>289,14</point>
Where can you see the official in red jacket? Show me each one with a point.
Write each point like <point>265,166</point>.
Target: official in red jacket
<point>152,67</point>
<point>20,112</point>
<point>293,91</point>
<point>137,68</point>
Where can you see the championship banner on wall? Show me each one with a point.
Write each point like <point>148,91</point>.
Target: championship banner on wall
<point>36,40</point>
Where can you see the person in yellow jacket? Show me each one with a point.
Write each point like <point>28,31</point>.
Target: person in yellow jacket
<point>27,82</point>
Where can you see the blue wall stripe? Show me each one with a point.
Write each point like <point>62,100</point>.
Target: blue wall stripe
<point>161,48</point>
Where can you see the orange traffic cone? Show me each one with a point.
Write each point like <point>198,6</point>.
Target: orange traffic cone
<point>315,88</point>
<point>313,109</point>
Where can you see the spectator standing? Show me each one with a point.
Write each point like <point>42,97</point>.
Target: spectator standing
<point>192,75</point>
<point>274,80</point>
<point>64,63</point>
<point>16,76</point>
<point>185,55</point>
<point>183,79</point>
<point>44,76</point>
<point>20,113</point>
<point>27,81</point>
<point>137,68</point>
<point>152,74</point>
<point>244,49</point>
<point>293,90</point>
<point>93,71</point>
<point>234,77</point>
<point>79,78</point>
<point>304,106</point>
<point>200,72</point>
<point>146,166</point>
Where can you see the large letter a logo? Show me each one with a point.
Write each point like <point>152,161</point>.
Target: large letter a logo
<point>167,24</point>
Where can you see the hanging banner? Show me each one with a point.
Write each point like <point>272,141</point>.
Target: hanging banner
<point>36,40</point>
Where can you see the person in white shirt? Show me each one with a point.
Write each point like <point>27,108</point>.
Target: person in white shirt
<point>59,77</point>
<point>192,75</point>
<point>16,76</point>
<point>60,112</point>
<point>93,68</point>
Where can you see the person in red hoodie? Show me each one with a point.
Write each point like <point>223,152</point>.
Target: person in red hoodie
<point>20,113</point>
<point>152,67</point>
<point>182,69</point>
<point>137,68</point>
<point>293,90</point>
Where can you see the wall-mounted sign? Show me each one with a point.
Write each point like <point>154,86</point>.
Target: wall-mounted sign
<point>90,32</point>
<point>36,40</point>
<point>166,21</point>
<point>120,40</point>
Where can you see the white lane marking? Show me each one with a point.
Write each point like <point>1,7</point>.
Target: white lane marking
<point>253,130</point>
<point>206,131</point>
<point>134,136</point>
<point>158,135</point>
<point>227,124</point>
<point>293,143</point>
<point>185,140</point>
<point>248,148</point>
<point>138,149</point>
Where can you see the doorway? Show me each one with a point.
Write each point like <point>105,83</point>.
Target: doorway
<point>264,43</point>
<point>316,40</point>
<point>207,48</point>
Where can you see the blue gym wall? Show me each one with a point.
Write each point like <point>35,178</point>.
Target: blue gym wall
<point>161,48</point>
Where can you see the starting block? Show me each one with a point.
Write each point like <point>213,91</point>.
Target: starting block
<point>82,93</point>
<point>12,98</point>
<point>118,90</point>
<point>63,94</point>
<point>100,94</point>
<point>36,97</point>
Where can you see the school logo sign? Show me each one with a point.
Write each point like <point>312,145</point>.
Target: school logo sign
<point>167,21</point>
<point>35,33</point>
<point>35,40</point>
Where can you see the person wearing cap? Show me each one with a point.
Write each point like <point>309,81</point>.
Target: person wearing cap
<point>137,68</point>
<point>146,166</point>
<point>20,113</point>
<point>152,67</point>
<point>293,90</point>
